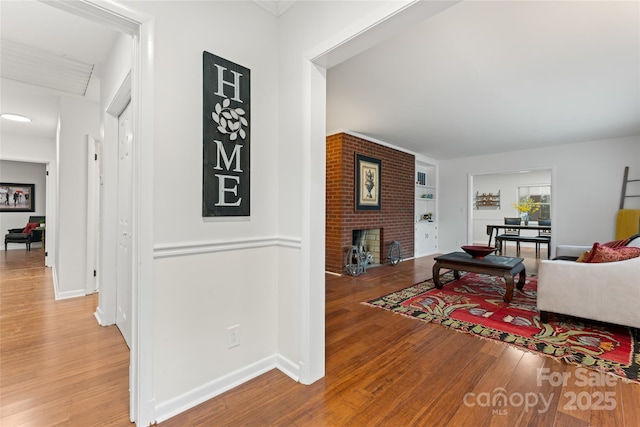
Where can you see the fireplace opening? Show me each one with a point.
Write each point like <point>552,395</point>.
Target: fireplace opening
<point>368,241</point>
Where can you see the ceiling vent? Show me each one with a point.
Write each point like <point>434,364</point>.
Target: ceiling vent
<point>38,67</point>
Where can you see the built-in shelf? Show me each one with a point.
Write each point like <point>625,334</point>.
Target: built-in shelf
<point>426,226</point>
<point>425,192</point>
<point>425,200</point>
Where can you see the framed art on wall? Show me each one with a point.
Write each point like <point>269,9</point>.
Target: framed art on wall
<point>368,179</point>
<point>226,134</point>
<point>17,197</point>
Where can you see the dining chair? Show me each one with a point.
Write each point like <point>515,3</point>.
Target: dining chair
<point>544,234</point>
<point>512,234</point>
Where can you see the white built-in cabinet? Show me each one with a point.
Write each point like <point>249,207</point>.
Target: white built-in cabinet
<point>426,212</point>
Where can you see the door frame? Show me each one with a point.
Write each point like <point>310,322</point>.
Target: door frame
<point>142,28</point>
<point>117,108</point>
<point>380,24</point>
<point>93,209</point>
<point>50,213</point>
<point>471,196</point>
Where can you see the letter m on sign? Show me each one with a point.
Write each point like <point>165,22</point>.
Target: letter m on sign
<point>226,133</point>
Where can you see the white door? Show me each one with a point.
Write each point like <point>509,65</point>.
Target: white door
<point>125,168</point>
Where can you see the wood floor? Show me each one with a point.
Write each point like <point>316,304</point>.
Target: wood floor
<point>59,368</point>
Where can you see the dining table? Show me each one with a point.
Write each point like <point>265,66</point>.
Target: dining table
<point>497,227</point>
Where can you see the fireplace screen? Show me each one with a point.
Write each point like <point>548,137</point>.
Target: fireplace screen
<point>368,241</point>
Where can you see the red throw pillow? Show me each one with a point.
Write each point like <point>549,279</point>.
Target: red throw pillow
<point>617,243</point>
<point>30,226</point>
<point>600,253</point>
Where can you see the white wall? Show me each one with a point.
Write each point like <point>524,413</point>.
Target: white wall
<point>586,179</point>
<point>215,273</point>
<point>244,34</point>
<point>78,118</point>
<point>23,173</point>
<point>507,184</point>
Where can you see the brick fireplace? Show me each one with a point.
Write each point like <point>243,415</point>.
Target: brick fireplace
<point>395,219</point>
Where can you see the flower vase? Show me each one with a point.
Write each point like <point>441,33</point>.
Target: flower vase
<point>525,217</point>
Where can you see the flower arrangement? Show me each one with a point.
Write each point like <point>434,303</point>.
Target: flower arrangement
<point>527,205</point>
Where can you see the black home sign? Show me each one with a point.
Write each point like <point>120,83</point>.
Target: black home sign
<point>226,118</point>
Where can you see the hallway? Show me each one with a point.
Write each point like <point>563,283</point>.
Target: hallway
<point>57,365</point>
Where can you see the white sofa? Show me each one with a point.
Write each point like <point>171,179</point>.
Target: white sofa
<point>608,292</point>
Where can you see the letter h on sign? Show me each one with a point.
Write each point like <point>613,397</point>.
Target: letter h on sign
<point>226,133</point>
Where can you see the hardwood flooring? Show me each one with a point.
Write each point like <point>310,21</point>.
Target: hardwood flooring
<point>58,367</point>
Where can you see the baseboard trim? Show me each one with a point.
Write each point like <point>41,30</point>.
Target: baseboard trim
<point>183,249</point>
<point>99,315</point>
<point>66,294</point>
<point>54,279</point>
<point>188,400</point>
<point>288,368</point>
<point>70,294</point>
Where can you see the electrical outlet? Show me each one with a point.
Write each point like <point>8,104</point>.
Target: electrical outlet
<point>233,338</point>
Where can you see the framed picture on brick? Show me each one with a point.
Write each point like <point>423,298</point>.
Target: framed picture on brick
<point>368,179</point>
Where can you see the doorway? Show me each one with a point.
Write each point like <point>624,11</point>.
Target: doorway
<point>493,195</point>
<point>141,28</point>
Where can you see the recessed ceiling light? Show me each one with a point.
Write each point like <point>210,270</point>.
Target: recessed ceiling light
<point>15,117</point>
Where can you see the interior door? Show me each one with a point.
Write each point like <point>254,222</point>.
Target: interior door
<point>124,270</point>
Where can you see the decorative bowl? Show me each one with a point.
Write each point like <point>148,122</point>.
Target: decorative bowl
<point>478,251</point>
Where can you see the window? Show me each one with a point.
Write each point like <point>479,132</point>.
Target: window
<point>539,194</point>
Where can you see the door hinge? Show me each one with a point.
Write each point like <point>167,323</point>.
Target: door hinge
<point>47,173</point>
<point>96,157</point>
<point>95,273</point>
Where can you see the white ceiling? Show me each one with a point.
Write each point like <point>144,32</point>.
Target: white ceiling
<point>479,77</point>
<point>40,26</point>
<point>487,77</point>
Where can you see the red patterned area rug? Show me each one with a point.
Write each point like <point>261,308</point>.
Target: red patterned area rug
<point>473,304</point>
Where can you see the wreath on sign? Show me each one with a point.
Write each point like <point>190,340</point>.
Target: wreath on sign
<point>230,120</point>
